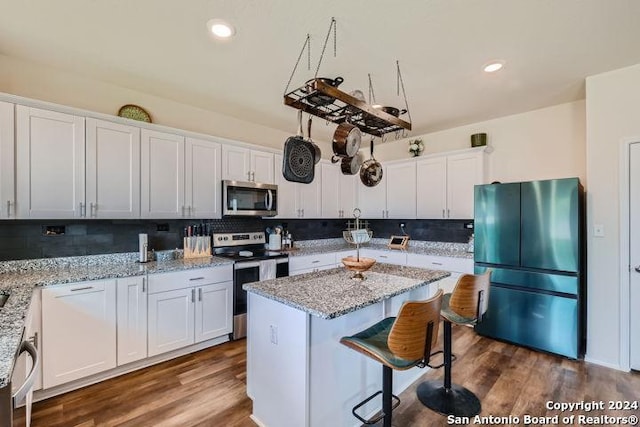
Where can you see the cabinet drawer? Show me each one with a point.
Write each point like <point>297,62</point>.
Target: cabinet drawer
<point>163,282</point>
<point>387,257</point>
<point>460,265</point>
<point>311,261</point>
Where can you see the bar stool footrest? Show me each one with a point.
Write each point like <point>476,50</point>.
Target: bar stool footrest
<point>457,400</point>
<point>374,420</point>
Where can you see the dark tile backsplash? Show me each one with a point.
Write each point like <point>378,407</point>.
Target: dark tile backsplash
<point>23,239</point>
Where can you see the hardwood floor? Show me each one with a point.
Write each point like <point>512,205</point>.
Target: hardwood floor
<point>208,389</point>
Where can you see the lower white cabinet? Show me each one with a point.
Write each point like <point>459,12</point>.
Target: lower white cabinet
<point>187,307</point>
<point>311,263</point>
<point>456,266</point>
<point>131,319</point>
<point>386,257</point>
<point>78,330</point>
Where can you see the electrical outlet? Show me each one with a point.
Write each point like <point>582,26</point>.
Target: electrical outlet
<point>162,227</point>
<point>274,334</point>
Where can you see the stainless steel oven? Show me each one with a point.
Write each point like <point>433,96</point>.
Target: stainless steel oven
<point>241,198</point>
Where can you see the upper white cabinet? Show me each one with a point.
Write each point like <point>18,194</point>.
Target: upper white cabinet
<point>78,330</point>
<point>203,179</point>
<point>446,184</point>
<point>297,200</point>
<point>162,168</point>
<point>244,164</point>
<point>372,201</point>
<point>286,193</point>
<point>50,164</point>
<point>401,190</point>
<point>339,191</point>
<point>7,163</point>
<point>112,170</point>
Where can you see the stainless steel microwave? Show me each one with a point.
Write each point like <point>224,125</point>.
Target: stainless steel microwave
<point>240,198</point>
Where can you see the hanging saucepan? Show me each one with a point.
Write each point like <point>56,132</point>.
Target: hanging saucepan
<point>371,171</point>
<point>346,140</point>
<point>298,159</point>
<point>317,98</point>
<point>315,146</point>
<point>374,121</point>
<point>351,165</point>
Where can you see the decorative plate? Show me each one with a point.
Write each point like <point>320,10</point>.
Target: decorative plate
<point>134,112</point>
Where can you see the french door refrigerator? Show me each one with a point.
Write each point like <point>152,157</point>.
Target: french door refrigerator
<point>531,234</point>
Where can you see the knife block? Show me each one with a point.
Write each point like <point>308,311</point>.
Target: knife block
<point>197,246</point>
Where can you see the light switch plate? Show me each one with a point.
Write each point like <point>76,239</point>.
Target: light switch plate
<point>598,230</point>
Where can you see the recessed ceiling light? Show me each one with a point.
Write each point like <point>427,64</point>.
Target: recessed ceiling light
<point>220,29</point>
<point>493,66</point>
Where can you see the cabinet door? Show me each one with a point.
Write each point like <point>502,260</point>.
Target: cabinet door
<point>464,171</point>
<point>50,160</point>
<point>203,179</point>
<point>113,170</point>
<point>431,189</point>
<point>236,162</point>
<point>401,190</point>
<point>7,165</point>
<point>330,194</point>
<point>131,319</point>
<point>78,331</point>
<point>162,175</point>
<point>214,311</point>
<point>386,257</point>
<point>171,320</point>
<point>309,198</point>
<point>372,201</point>
<point>262,169</point>
<point>286,193</point>
<point>348,190</point>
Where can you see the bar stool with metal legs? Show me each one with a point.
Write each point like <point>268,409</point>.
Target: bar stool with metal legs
<point>465,306</point>
<point>400,343</point>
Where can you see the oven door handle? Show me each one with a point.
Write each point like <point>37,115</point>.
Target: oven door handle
<point>27,386</point>
<point>269,199</point>
<point>243,265</point>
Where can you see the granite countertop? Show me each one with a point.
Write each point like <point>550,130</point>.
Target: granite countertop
<point>444,249</point>
<point>332,293</point>
<point>19,278</point>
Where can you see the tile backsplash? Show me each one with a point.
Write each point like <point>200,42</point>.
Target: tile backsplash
<point>24,239</point>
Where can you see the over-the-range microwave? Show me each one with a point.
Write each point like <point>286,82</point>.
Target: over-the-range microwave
<point>240,198</point>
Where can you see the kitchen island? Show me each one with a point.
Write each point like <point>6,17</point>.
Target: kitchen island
<point>298,374</point>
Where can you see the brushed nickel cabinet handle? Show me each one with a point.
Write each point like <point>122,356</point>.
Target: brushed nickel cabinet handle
<point>443,214</point>
<point>8,208</point>
<point>83,212</point>
<point>189,210</point>
<point>182,209</point>
<point>81,289</point>
<point>199,294</point>
<point>144,285</point>
<point>448,214</point>
<point>193,295</point>
<point>197,278</point>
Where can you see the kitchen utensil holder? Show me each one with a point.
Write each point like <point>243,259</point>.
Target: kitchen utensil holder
<point>197,246</point>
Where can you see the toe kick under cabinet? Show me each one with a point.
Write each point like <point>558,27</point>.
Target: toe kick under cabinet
<point>188,307</point>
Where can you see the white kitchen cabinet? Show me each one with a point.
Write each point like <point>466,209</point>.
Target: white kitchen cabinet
<point>296,200</point>
<point>385,257</point>
<point>286,192</point>
<point>50,164</point>
<point>338,195</point>
<point>214,311</point>
<point>112,170</point>
<point>372,201</point>
<point>7,162</point>
<point>131,302</point>
<point>162,175</point>
<point>456,266</point>
<point>190,306</point>
<point>245,164</point>
<point>171,320</point>
<point>446,183</point>
<point>78,330</point>
<point>203,179</point>
<point>311,263</point>
<point>401,190</point>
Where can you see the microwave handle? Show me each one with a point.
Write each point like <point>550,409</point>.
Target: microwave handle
<point>269,199</point>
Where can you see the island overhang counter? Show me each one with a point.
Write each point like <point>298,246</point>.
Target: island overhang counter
<point>298,374</point>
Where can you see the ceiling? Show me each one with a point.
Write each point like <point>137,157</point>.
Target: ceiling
<point>161,47</point>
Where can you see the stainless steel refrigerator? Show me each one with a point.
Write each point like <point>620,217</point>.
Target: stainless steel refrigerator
<point>532,235</point>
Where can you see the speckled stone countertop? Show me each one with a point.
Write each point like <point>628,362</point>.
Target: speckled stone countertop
<point>445,249</point>
<point>19,278</point>
<point>332,293</point>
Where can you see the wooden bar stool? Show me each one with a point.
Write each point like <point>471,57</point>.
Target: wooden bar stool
<point>400,343</point>
<point>465,306</point>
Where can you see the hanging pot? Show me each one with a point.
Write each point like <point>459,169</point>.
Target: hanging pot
<point>371,171</point>
<point>346,140</point>
<point>351,165</point>
<point>318,152</point>
<point>317,98</point>
<point>298,159</point>
<point>374,121</point>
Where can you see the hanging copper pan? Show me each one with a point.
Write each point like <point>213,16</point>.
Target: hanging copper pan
<point>371,171</point>
<point>346,140</point>
<point>351,165</point>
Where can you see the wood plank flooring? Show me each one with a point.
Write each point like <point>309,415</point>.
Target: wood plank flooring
<point>207,389</point>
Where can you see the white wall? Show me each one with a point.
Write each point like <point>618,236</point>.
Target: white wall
<point>40,82</point>
<point>541,144</point>
<point>613,111</point>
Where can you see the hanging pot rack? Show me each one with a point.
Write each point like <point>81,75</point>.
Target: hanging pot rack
<point>344,107</point>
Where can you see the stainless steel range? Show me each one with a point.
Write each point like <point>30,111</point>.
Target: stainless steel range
<point>252,263</point>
